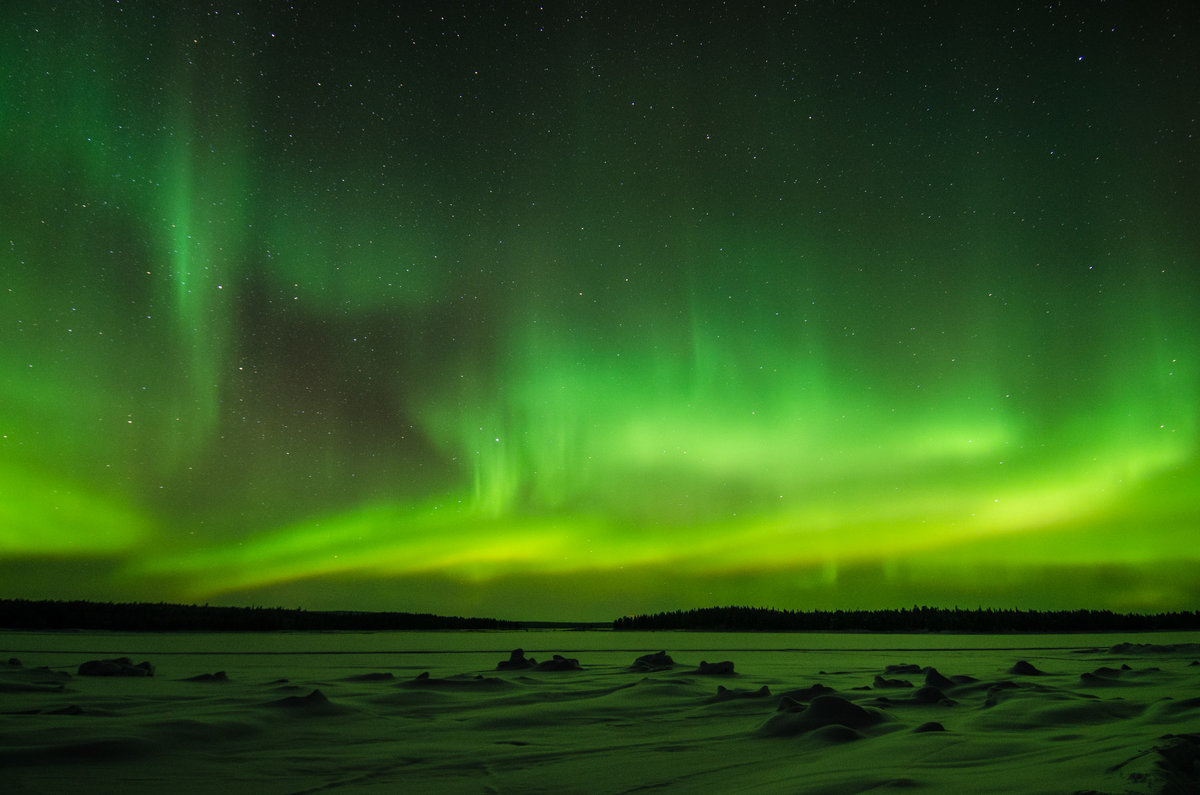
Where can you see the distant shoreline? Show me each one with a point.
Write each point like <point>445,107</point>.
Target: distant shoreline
<point>163,617</point>
<point>25,614</point>
<point>917,620</point>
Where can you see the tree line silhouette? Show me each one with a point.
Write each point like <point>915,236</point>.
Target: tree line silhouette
<point>916,619</point>
<point>167,617</point>
<point>164,617</point>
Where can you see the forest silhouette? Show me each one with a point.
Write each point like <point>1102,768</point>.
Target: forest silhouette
<point>916,619</point>
<point>164,617</point>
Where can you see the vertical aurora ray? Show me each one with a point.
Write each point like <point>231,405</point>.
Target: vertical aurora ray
<point>203,201</point>
<point>440,310</point>
<point>124,221</point>
<point>201,249</point>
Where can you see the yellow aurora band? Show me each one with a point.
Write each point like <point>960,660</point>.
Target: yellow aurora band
<point>297,312</point>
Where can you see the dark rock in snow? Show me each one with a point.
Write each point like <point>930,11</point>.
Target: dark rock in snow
<point>517,661</point>
<point>935,679</point>
<point>118,666</point>
<point>1023,668</point>
<point>902,668</point>
<point>932,695</point>
<point>219,676</point>
<point>931,726</point>
<point>722,668</point>
<point>808,693</point>
<point>376,677</point>
<point>824,711</point>
<point>559,663</point>
<point>647,663</point>
<point>725,694</point>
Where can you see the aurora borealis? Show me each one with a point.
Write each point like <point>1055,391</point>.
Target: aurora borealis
<point>566,314</point>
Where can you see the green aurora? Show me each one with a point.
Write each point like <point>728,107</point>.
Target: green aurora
<point>564,315</point>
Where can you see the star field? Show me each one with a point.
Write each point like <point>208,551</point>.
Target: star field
<point>561,313</point>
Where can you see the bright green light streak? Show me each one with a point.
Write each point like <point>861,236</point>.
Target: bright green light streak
<point>381,539</point>
<point>199,323</point>
<point>457,539</point>
<point>44,515</point>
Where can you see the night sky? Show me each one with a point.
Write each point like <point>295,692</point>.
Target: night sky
<point>566,313</point>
